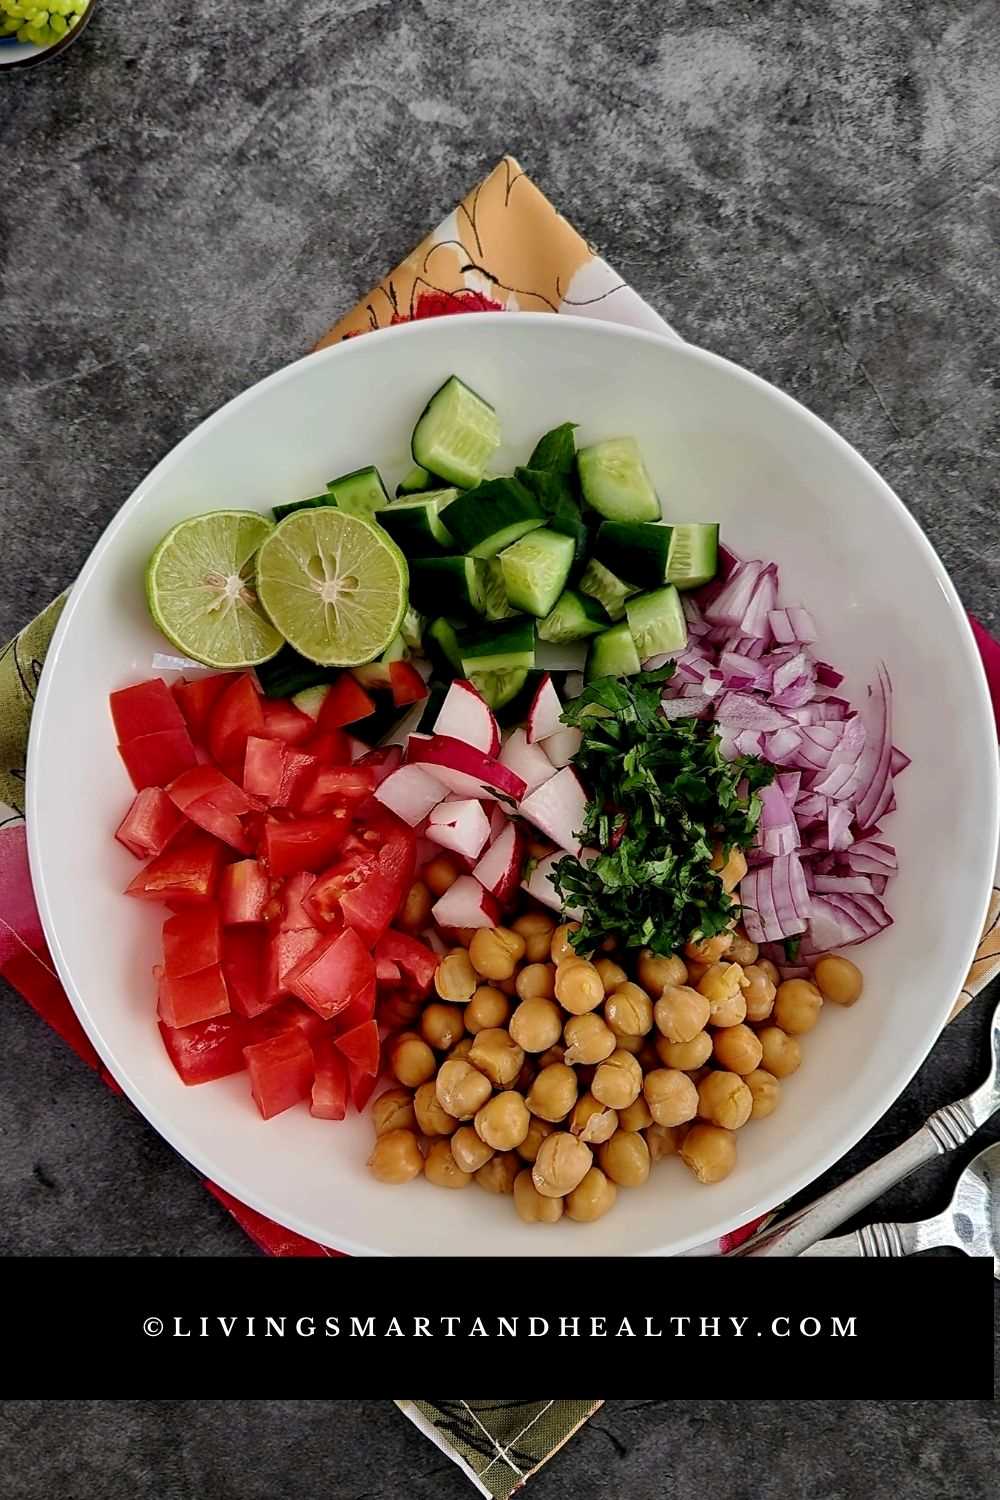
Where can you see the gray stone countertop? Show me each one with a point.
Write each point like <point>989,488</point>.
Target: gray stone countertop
<point>191,195</point>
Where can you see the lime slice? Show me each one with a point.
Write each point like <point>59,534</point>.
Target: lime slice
<point>334,585</point>
<point>201,590</point>
<point>499,688</point>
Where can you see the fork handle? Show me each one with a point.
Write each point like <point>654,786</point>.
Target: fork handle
<point>874,1241</point>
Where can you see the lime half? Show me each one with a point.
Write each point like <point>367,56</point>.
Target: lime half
<point>335,586</point>
<point>201,590</point>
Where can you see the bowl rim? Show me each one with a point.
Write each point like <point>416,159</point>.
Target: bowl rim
<point>171,1125</point>
<point>53,49</point>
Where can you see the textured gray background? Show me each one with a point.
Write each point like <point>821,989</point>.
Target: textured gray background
<point>190,199</point>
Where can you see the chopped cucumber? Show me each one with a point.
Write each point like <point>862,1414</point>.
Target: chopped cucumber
<point>562,513</point>
<point>574,618</point>
<point>431,707</point>
<point>458,583</point>
<point>456,433</point>
<point>500,688</point>
<point>555,450</point>
<point>613,654</point>
<point>694,554</point>
<point>614,481</point>
<point>500,647</point>
<point>414,522</point>
<point>415,480</point>
<point>535,570</point>
<point>635,551</point>
<point>601,584</point>
<point>310,700</point>
<point>443,646</point>
<point>492,516</point>
<point>498,606</point>
<point>289,673</point>
<point>657,622</point>
<point>360,493</point>
<point>279,512</point>
<point>515,709</point>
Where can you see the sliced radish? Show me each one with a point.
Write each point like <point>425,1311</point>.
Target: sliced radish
<point>461,826</point>
<point>465,715</point>
<point>558,807</point>
<point>499,870</point>
<point>545,713</point>
<point>540,886</point>
<point>357,747</point>
<point>434,941</point>
<point>466,904</point>
<point>498,821</point>
<point>562,746</point>
<point>410,793</point>
<point>529,762</point>
<point>463,769</point>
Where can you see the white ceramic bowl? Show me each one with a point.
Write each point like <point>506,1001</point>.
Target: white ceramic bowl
<point>722,445</point>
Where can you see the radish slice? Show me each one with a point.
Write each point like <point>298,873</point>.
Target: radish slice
<point>460,826</point>
<point>465,715</point>
<point>466,904</point>
<point>558,807</point>
<point>563,745</point>
<point>463,769</point>
<point>539,884</point>
<point>434,941</point>
<point>529,762</point>
<point>545,713</point>
<point>499,870</point>
<point>498,821</point>
<point>410,793</point>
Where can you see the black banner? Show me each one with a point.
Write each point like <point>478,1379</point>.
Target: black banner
<point>192,1328</point>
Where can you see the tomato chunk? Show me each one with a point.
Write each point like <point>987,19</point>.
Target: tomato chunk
<point>387,971</point>
<point>281,1071</point>
<point>146,708</point>
<point>406,682</point>
<point>285,952</point>
<point>215,803</point>
<point>331,749</point>
<point>244,893</point>
<point>338,786</point>
<point>330,1086</point>
<point>264,768</point>
<point>417,961</point>
<point>150,823</point>
<point>304,843</point>
<point>244,959</point>
<point>292,1014</point>
<point>300,768</point>
<point>197,699</point>
<point>155,759</point>
<point>192,940</point>
<point>360,1046</point>
<point>235,716</point>
<point>193,997</point>
<point>295,915</point>
<point>207,1050</point>
<point>362,1086</point>
<point>186,873</point>
<point>283,721</point>
<point>329,978</point>
<point>370,907</point>
<point>361,1008</point>
<point>346,702</point>
<point>383,761</point>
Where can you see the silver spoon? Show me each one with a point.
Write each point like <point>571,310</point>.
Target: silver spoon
<point>971,1222</point>
<point>947,1128</point>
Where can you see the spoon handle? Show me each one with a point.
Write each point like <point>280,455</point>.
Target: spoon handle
<point>876,1241</point>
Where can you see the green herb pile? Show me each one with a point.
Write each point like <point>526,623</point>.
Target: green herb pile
<point>662,799</point>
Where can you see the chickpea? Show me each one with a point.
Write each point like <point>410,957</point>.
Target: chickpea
<point>441,1168</point>
<point>508,987</point>
<point>671,1096</point>
<point>416,912</point>
<point>496,952</point>
<point>738,1049</point>
<point>412,1060</point>
<point>536,1024</point>
<point>469,1149</point>
<point>724,1099</point>
<point>730,871</point>
<point>741,950</point>
<point>662,1140</point>
<point>560,947</point>
<point>537,1131</point>
<point>527,1075</point>
<point>399,1011</point>
<point>781,1053</point>
<point>697,972</point>
<point>797,1006</point>
<point>553,1092</point>
<point>440,874</point>
<point>618,1080</point>
<point>441,1026</point>
<point>455,978</point>
<point>461,1089</point>
<point>635,1116</point>
<point>625,1158</point>
<point>497,1055</point>
<point>432,1119</point>
<point>648,1056</point>
<point>770,969</point>
<point>759,993</point>
<point>488,1009</point>
<point>463,935</point>
<point>578,986</point>
<point>629,1043</point>
<point>498,1175</point>
<point>612,974</point>
<point>396,1157</point>
<point>709,1151</point>
<point>562,1162</point>
<point>556,1054</point>
<point>628,1010</point>
<point>722,986</point>
<point>592,1197</point>
<point>660,971</point>
<point>591,1120</point>
<point>708,950</point>
<point>588,1039</point>
<point>685,1055</point>
<point>609,944</point>
<point>393,1110</point>
<point>503,1122</point>
<point>536,982</point>
<point>460,1050</point>
<point>766,1091</point>
<point>838,979</point>
<point>536,927</point>
<point>681,1012</point>
<point>531,1206</point>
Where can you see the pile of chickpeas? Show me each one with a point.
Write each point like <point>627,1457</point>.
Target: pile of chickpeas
<point>558,1079</point>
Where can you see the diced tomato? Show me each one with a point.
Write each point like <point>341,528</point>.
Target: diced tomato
<point>397,1011</point>
<point>369,908</point>
<point>283,721</point>
<point>235,716</point>
<point>304,843</point>
<point>281,1071</point>
<point>345,703</point>
<point>322,902</point>
<point>337,786</point>
<point>330,1086</point>
<point>186,873</point>
<point>244,960</point>
<point>147,708</point>
<point>194,997</point>
<point>207,1050</point>
<point>291,1014</point>
<point>244,893</point>
<point>387,971</point>
<point>149,824</point>
<point>329,978</point>
<point>155,759</point>
<point>192,940</point>
<point>418,962</point>
<point>264,768</point>
<point>362,1086</point>
<point>333,748</point>
<point>300,768</point>
<point>361,1008</point>
<point>295,915</point>
<point>285,951</point>
<point>196,700</point>
<point>407,684</point>
<point>210,799</point>
<point>360,1046</point>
